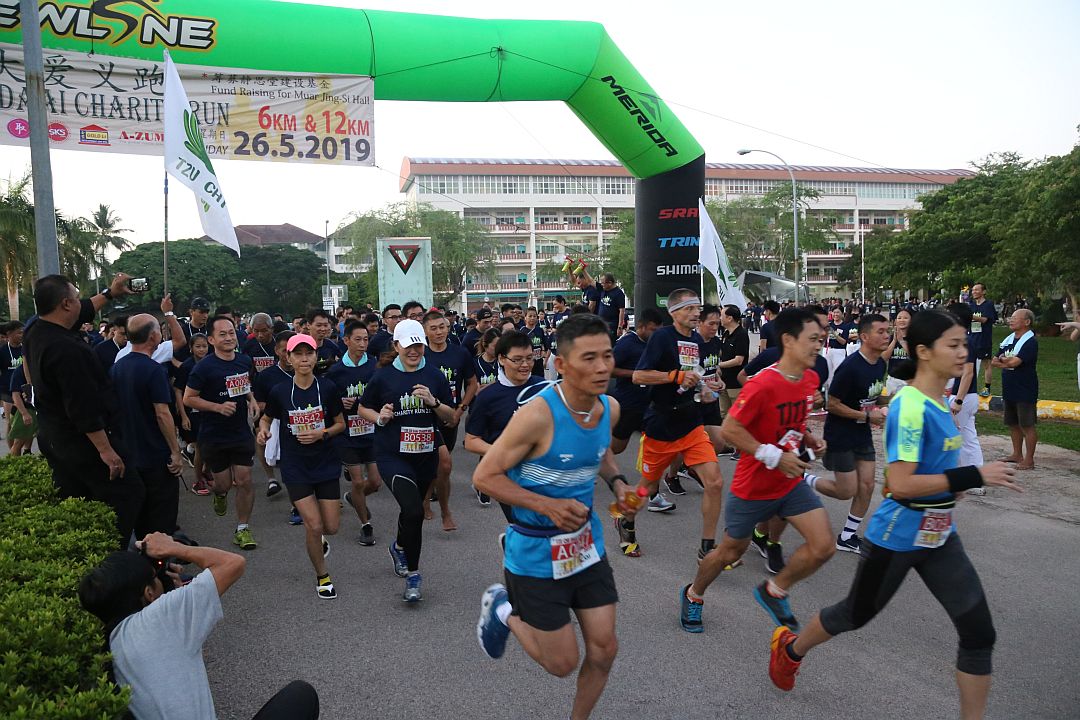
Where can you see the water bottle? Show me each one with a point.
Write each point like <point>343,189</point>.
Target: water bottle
<point>634,500</point>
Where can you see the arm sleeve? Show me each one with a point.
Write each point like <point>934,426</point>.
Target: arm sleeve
<point>652,356</point>
<point>273,407</point>
<point>86,313</point>
<point>331,398</point>
<point>195,378</point>
<point>468,367</point>
<point>904,429</point>
<point>442,391</point>
<point>1029,353</point>
<point>160,392</point>
<point>477,422</point>
<point>163,353</point>
<point>743,408</point>
<point>742,345</point>
<point>191,611</point>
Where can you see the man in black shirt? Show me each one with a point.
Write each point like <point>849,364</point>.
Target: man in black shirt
<point>77,410</point>
<point>380,341</point>
<point>612,305</point>
<point>734,354</point>
<point>106,351</point>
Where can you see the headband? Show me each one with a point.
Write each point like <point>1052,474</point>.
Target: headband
<point>692,300</point>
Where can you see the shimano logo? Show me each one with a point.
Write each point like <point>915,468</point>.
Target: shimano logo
<point>693,269</point>
<point>670,242</point>
<point>645,121</point>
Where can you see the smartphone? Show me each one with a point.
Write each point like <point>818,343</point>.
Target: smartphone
<point>807,455</point>
<point>138,285</point>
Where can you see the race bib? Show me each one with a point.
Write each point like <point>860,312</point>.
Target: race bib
<point>976,326</point>
<point>934,529</point>
<point>311,419</point>
<point>358,426</point>
<point>417,440</point>
<point>688,355</point>
<point>791,441</point>
<point>237,385</point>
<point>263,363</point>
<point>573,552</point>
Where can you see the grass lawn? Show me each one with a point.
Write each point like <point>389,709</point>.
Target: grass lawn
<point>1056,368</point>
<point>1051,432</point>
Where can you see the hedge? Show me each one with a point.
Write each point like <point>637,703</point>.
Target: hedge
<point>52,660</point>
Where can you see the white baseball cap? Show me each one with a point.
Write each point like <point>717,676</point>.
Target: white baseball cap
<point>409,332</point>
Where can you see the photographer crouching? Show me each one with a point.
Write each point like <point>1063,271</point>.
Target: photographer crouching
<point>156,635</point>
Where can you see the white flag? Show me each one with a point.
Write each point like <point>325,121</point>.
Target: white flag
<point>186,160</point>
<point>712,256</point>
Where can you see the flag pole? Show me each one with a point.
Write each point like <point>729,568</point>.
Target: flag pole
<point>165,245</point>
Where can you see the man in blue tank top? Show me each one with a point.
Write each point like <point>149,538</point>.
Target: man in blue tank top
<point>545,465</point>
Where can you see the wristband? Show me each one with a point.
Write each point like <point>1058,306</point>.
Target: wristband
<point>676,376</point>
<point>963,478</point>
<point>768,455</point>
<point>170,314</point>
<point>107,293</point>
<point>611,481</point>
<point>380,422</point>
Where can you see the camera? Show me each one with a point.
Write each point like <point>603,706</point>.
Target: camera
<point>161,569</point>
<point>138,285</point>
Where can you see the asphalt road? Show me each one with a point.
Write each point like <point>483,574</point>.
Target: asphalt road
<point>372,656</point>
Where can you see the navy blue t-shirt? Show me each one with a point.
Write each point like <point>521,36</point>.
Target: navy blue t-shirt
<point>857,384</point>
<point>469,341</point>
<point>983,332</point>
<point>899,355</point>
<point>12,358</point>
<point>106,353</point>
<point>539,340</point>
<point>352,380</point>
<point>710,353</point>
<point>328,354</point>
<point>611,301</point>
<point>848,331</point>
<point>486,372</point>
<point>456,364</point>
<point>380,343</point>
<point>493,408</point>
<point>140,383</point>
<point>628,350</point>
<point>973,354</point>
<point>261,355</point>
<point>1021,384</point>
<point>411,434</point>
<point>768,356</point>
<point>268,380</point>
<point>671,414</point>
<point>766,333</point>
<point>591,294</point>
<point>220,381</point>
<point>299,409</point>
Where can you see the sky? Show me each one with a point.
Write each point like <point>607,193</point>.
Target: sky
<point>920,84</point>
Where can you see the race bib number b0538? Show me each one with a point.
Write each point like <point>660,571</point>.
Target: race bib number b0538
<point>573,552</point>
<point>417,440</point>
<point>237,385</point>
<point>934,528</point>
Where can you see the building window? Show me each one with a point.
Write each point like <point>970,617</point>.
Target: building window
<point>880,221</point>
<point>522,278</point>
<point>616,186</point>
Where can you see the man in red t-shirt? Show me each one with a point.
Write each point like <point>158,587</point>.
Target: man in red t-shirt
<point>768,426</point>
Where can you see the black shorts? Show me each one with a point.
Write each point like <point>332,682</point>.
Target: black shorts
<point>710,414</point>
<point>984,353</point>
<point>353,456</point>
<point>449,435</point>
<point>631,420</point>
<point>328,490</point>
<point>844,460</point>
<point>1020,414</point>
<point>191,435</point>
<point>545,604</point>
<point>5,396</point>
<point>221,457</point>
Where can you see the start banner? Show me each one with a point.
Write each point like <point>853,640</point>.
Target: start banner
<point>112,104</point>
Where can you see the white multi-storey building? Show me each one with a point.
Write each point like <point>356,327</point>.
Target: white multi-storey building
<point>541,210</point>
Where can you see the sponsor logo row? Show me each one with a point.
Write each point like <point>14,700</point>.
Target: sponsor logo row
<point>88,134</point>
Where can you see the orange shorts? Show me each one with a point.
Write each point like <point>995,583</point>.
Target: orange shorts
<point>655,455</point>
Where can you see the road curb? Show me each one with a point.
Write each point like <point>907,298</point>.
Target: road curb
<point>1046,409</point>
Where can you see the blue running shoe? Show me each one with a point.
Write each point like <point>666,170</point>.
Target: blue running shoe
<point>778,608</point>
<point>401,565</point>
<point>412,589</point>
<point>294,518</point>
<point>490,630</point>
<point>690,617</point>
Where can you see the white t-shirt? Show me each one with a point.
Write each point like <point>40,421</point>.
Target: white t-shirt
<point>161,355</point>
<point>158,652</point>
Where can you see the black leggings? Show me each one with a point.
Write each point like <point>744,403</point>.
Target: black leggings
<point>409,485</point>
<point>296,701</point>
<point>949,576</point>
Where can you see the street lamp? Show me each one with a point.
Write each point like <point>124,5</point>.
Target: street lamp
<point>326,240</point>
<point>794,214</point>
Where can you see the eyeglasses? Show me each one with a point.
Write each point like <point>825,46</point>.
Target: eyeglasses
<point>392,317</point>
<point>519,360</point>
<point>414,316</point>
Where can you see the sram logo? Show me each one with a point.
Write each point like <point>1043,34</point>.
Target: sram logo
<point>117,20</point>
<point>677,213</point>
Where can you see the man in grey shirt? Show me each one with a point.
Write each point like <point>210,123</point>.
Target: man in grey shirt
<point>156,636</point>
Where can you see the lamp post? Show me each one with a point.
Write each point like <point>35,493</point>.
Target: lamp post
<point>326,240</point>
<point>794,215</point>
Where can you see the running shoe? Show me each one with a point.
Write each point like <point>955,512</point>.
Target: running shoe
<point>660,504</point>
<point>272,488</point>
<point>782,669</point>
<point>189,456</point>
<point>244,540</point>
<point>294,517</point>
<point>778,608</point>
<point>760,541</point>
<point>200,487</point>
<point>347,498</point>
<point>483,499</point>
<point>775,562</point>
<point>674,485</point>
<point>325,589</point>
<point>985,392</point>
<point>221,504</point>
<point>412,589</point>
<point>401,565</point>
<point>690,614</point>
<point>851,545</point>
<point>325,547</point>
<point>627,539</point>
<point>502,542</point>
<point>979,491</point>
<point>367,535</point>
<point>687,473</point>
<point>491,632</point>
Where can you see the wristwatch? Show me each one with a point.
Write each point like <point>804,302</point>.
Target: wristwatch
<point>325,435</point>
<point>170,314</point>
<point>959,401</point>
<point>107,293</point>
<point>438,402</point>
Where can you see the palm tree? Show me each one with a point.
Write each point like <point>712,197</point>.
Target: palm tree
<point>78,248</point>
<point>17,250</point>
<point>105,225</point>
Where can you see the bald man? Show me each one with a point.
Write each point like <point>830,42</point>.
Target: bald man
<point>1017,357</point>
<point>147,428</point>
<point>165,351</point>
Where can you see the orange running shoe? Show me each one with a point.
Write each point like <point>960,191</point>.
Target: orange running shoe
<point>782,669</point>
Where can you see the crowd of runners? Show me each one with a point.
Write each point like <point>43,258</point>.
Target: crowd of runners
<point>547,400</point>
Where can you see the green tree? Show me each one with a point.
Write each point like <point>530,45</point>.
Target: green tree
<point>17,250</point>
<point>280,278</point>
<point>107,234</point>
<point>195,270</point>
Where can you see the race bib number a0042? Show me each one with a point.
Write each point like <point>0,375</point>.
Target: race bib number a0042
<point>417,440</point>
<point>237,385</point>
<point>573,552</point>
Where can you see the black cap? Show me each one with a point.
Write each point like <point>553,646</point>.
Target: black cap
<point>200,303</point>
<point>483,314</point>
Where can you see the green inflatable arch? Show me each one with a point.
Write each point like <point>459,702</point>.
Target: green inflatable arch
<point>437,58</point>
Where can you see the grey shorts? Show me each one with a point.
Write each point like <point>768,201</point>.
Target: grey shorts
<point>1019,414</point>
<point>740,516</point>
<point>844,460</point>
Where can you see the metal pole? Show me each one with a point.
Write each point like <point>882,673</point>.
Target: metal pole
<point>326,237</point>
<point>165,245</point>
<point>794,216</point>
<point>48,253</point>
